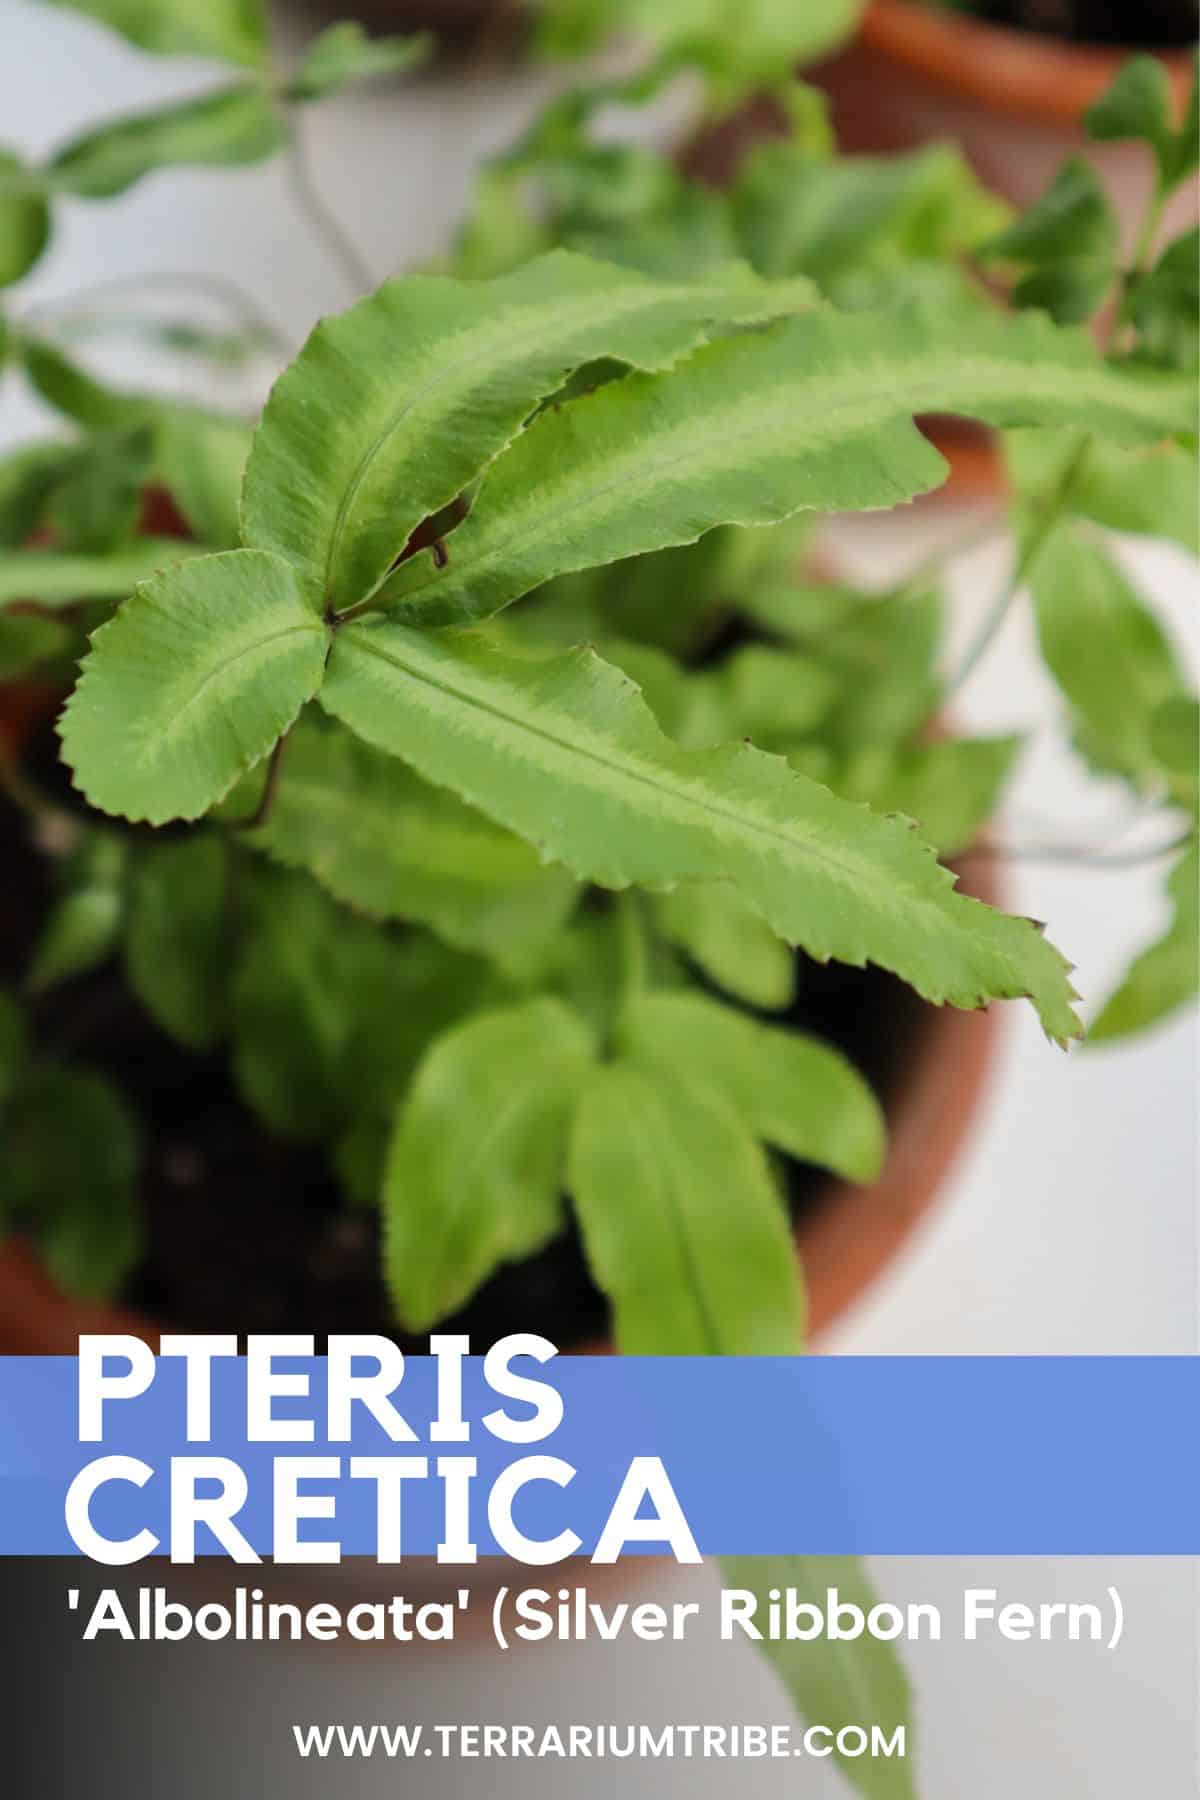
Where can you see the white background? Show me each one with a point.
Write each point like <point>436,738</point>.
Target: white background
<point>1069,1226</point>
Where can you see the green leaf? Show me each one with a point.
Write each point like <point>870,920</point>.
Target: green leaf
<point>1184,155</point>
<point>28,641</point>
<point>1155,491</point>
<point>14,1045</point>
<point>343,53</point>
<point>24,218</point>
<point>816,412</point>
<point>836,1684</point>
<point>200,458</point>
<point>1175,738</point>
<point>191,684</point>
<point>788,1088</point>
<point>760,691</point>
<point>728,940</point>
<point>823,216</point>
<point>73,392</point>
<point>27,478</point>
<point>763,45</point>
<point>773,696</point>
<point>60,578</point>
<point>1137,105</point>
<point>233,30</point>
<point>475,1168</point>
<point>83,926</point>
<point>566,753</point>
<point>500,229</point>
<point>68,1172</point>
<point>682,1224</point>
<point>384,841</point>
<point>391,409</point>
<point>1167,975</point>
<point>79,935</point>
<point>1107,652</point>
<point>231,125</point>
<point>95,507</point>
<point>1070,236</point>
<point>1165,303</point>
<point>950,789</point>
<point>178,942</point>
<point>330,1012</point>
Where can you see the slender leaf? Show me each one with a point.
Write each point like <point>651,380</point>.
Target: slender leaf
<point>682,1225</point>
<point>191,684</point>
<point>1167,975</point>
<point>234,30</point>
<point>62,578</point>
<point>565,753</point>
<point>343,53</point>
<point>728,940</point>
<point>790,1089</point>
<point>72,391</point>
<point>1106,650</point>
<point>231,125</point>
<point>385,842</point>
<point>391,409</point>
<point>68,1172</point>
<point>24,218</point>
<point>836,1683</point>
<point>815,412</point>
<point>178,942</point>
<point>459,1202</point>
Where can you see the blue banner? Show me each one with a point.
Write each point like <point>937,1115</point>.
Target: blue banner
<point>898,1455</point>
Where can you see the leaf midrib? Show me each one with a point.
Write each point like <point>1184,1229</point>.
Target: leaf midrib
<point>172,727</point>
<point>576,748</point>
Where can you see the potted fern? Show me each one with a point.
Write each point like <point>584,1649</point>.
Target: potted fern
<point>454,849</point>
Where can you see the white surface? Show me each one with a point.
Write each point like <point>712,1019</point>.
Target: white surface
<point>1069,1227</point>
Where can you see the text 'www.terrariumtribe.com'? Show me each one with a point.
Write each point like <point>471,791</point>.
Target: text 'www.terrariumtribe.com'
<point>599,1742</point>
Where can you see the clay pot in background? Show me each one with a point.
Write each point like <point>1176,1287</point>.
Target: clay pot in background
<point>1012,100</point>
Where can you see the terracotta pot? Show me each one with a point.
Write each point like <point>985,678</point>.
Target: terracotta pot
<point>1012,100</point>
<point>845,1240</point>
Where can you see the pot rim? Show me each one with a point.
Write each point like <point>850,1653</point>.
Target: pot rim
<point>1018,74</point>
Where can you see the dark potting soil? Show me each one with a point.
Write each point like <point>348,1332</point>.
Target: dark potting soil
<point>1131,24</point>
<point>246,1233</point>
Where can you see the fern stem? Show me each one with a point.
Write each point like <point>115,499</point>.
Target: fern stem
<point>1052,510</point>
<point>323,221</point>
